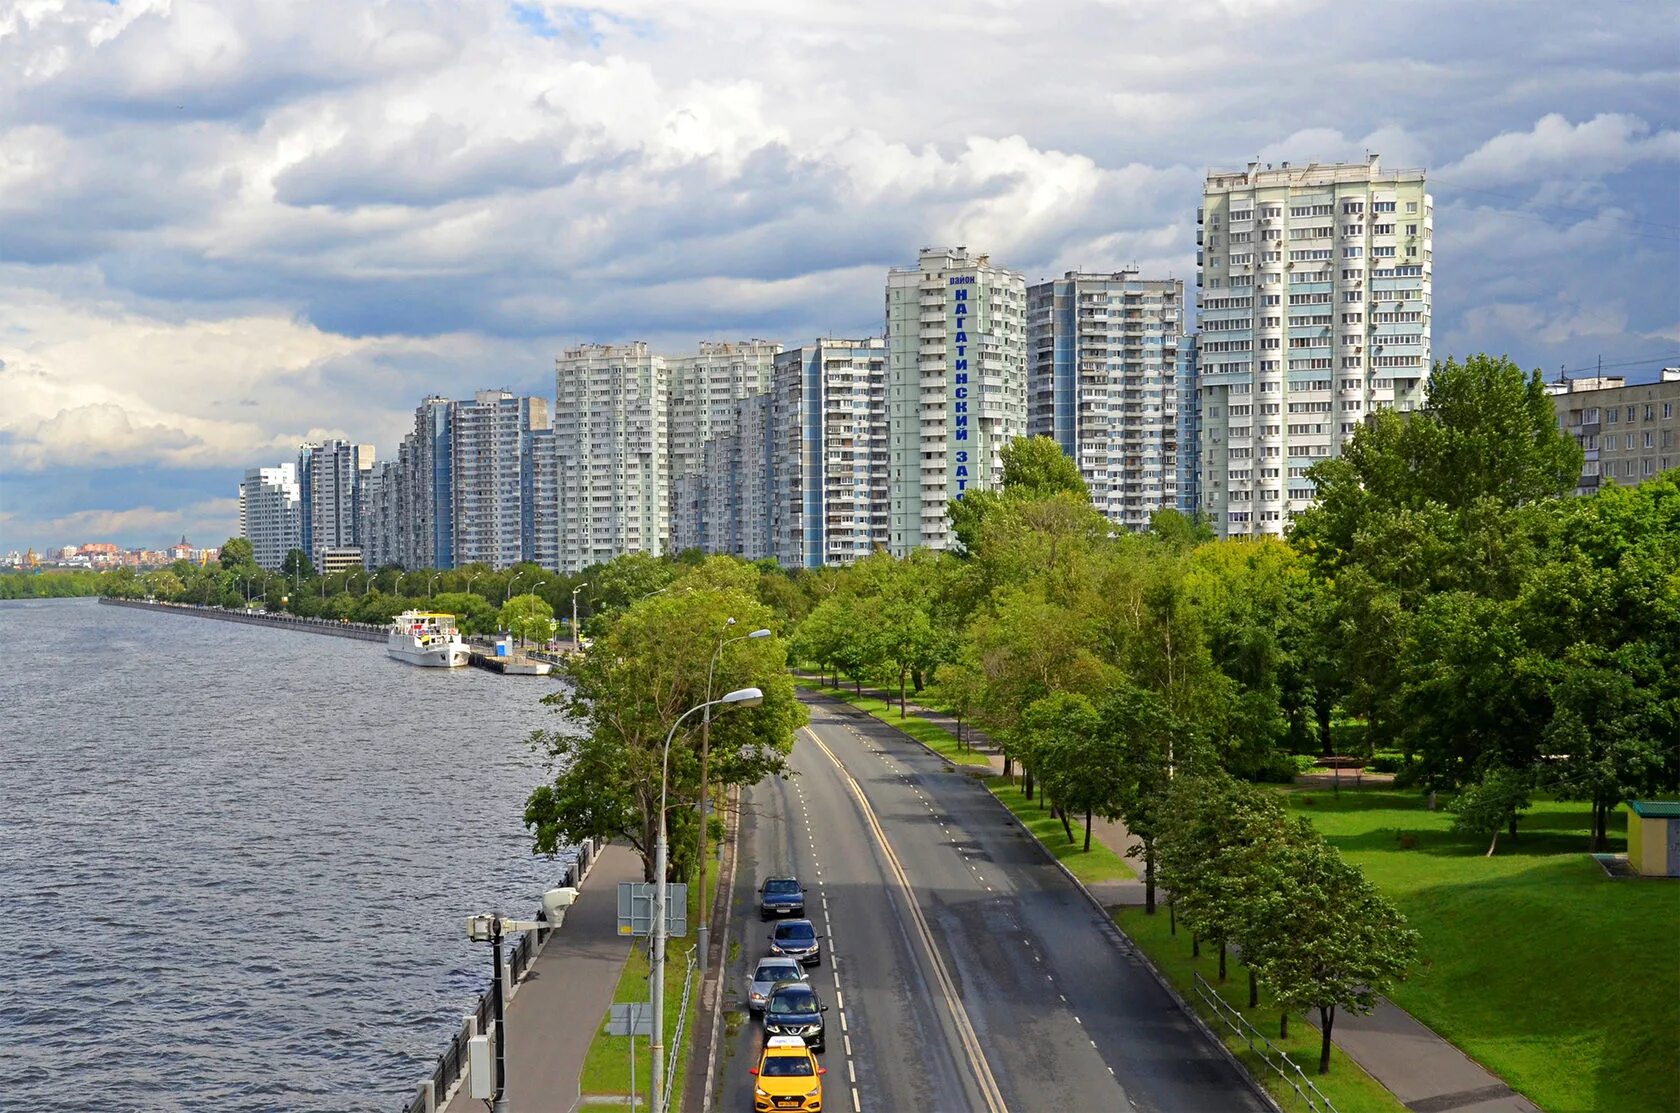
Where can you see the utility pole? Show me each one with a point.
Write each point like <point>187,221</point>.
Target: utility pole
<point>499,1103</point>
<point>575,642</point>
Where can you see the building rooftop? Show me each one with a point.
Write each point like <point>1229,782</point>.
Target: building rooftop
<point>1311,174</point>
<point>1655,809</point>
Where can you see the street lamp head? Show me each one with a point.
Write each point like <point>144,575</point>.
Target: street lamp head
<point>729,622</point>
<point>746,697</point>
<point>759,634</point>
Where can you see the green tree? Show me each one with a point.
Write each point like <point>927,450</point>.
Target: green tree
<point>237,553</point>
<point>473,613</point>
<point>1033,468</point>
<point>644,671</point>
<point>163,584</point>
<point>1332,942</point>
<point>528,618</point>
<point>1080,762</point>
<point>1494,801</point>
<point>1178,530</point>
<point>1136,722</point>
<point>296,565</point>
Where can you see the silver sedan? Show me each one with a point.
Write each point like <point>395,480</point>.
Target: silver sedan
<point>765,976</point>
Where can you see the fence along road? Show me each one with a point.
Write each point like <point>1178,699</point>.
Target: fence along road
<point>1051,1011</point>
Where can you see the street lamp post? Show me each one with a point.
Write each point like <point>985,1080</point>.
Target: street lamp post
<point>705,933</point>
<point>429,584</point>
<point>534,587</point>
<point>511,578</point>
<point>575,642</point>
<point>470,579</point>
<point>745,697</point>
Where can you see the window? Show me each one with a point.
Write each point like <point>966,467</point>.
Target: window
<point>1352,208</point>
<point>1382,206</point>
<point>1383,252</point>
<point>1353,229</point>
<point>1356,252</point>
<point>1382,229</point>
<point>1411,206</point>
<point>1411,229</point>
<point>1353,296</point>
<point>1668,410</point>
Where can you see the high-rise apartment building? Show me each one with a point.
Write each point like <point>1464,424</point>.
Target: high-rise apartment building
<point>956,386</point>
<point>704,405</point>
<point>1189,429</point>
<point>493,477</point>
<point>330,481</point>
<point>611,453</point>
<point>270,513</point>
<point>430,480</point>
<point>1314,290</point>
<point>1103,382</point>
<point>829,480</point>
<point>1627,433</point>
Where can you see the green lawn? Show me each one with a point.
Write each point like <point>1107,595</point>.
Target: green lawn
<point>935,738</point>
<point>1347,1087</point>
<point>606,1068</point>
<point>1097,864</point>
<point>1562,981</point>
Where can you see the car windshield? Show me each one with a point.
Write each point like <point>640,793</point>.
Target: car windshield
<point>786,1066</point>
<point>777,972</point>
<point>795,932</point>
<point>781,888</point>
<point>794,1004</point>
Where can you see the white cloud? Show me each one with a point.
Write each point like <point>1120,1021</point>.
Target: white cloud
<point>1594,148</point>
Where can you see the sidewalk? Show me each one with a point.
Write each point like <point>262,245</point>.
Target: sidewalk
<point>558,1008</point>
<point>1427,1073</point>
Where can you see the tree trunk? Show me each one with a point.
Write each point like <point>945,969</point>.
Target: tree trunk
<point>1431,799</point>
<point>1026,780</point>
<point>1221,958</point>
<point>1148,878</point>
<point>1322,707</point>
<point>1087,830</point>
<point>1253,988</point>
<point>1513,827</point>
<point>1283,1026</point>
<point>1008,766</point>
<point>1494,845</point>
<point>1326,1017</point>
<point>901,711</point>
<point>1195,945</point>
<point>1066,826</point>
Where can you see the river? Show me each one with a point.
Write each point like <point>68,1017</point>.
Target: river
<point>235,862</point>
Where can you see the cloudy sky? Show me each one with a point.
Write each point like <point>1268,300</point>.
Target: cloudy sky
<point>229,225</point>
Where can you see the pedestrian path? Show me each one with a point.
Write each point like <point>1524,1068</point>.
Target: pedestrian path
<point>557,1009</point>
<point>1427,1073</point>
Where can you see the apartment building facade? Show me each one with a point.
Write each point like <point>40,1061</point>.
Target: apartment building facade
<point>270,513</point>
<point>1314,290</point>
<point>331,478</point>
<point>1627,433</point>
<point>956,386</point>
<point>494,477</point>
<point>612,456</point>
<point>1103,382</point>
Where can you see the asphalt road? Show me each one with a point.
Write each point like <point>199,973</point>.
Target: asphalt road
<point>963,971</point>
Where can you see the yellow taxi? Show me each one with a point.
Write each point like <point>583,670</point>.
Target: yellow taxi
<point>788,1077</point>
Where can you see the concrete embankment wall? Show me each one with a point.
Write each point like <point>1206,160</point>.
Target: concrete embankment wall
<point>358,631</point>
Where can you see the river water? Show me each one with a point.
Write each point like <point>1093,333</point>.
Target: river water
<point>235,862</point>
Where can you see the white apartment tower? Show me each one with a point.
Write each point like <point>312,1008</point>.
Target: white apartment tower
<point>1314,290</point>
<point>331,477</point>
<point>704,396</point>
<point>270,513</point>
<point>956,386</point>
<point>1104,370</point>
<point>494,477</point>
<point>829,481</point>
<point>611,455</point>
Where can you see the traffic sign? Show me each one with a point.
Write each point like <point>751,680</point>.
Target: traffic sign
<point>635,908</point>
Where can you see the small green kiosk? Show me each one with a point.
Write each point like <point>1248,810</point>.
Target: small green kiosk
<point>1653,838</point>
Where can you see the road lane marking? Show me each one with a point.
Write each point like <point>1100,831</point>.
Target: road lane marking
<point>976,1055</point>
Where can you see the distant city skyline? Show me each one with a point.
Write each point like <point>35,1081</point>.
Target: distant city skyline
<point>233,229</point>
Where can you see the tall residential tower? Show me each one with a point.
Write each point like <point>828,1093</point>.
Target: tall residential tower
<point>1104,384</point>
<point>1314,295</point>
<point>956,386</point>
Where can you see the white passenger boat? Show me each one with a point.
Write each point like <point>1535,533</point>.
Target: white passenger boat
<point>425,638</point>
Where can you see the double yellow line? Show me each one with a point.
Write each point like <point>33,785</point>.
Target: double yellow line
<point>947,988</point>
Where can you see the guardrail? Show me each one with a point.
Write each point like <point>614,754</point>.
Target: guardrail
<point>360,631</point>
<point>451,1066</point>
<point>1270,1054</point>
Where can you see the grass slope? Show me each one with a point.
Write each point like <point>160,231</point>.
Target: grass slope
<point>1562,981</point>
<point>606,1068</point>
<point>1347,1087</point>
<point>935,738</point>
<point>1098,864</point>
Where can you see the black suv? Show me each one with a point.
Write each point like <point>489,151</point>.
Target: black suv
<point>794,1009</point>
<point>797,939</point>
<point>781,896</point>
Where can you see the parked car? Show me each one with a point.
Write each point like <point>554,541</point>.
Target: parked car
<point>766,975</point>
<point>781,896</point>
<point>797,939</point>
<point>794,1009</point>
<point>788,1077</point>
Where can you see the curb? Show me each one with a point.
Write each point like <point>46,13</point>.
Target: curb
<point>973,771</point>
<point>726,890</point>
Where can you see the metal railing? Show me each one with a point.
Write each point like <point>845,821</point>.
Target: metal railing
<point>452,1064</point>
<point>1270,1054</point>
<point>676,1038</point>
